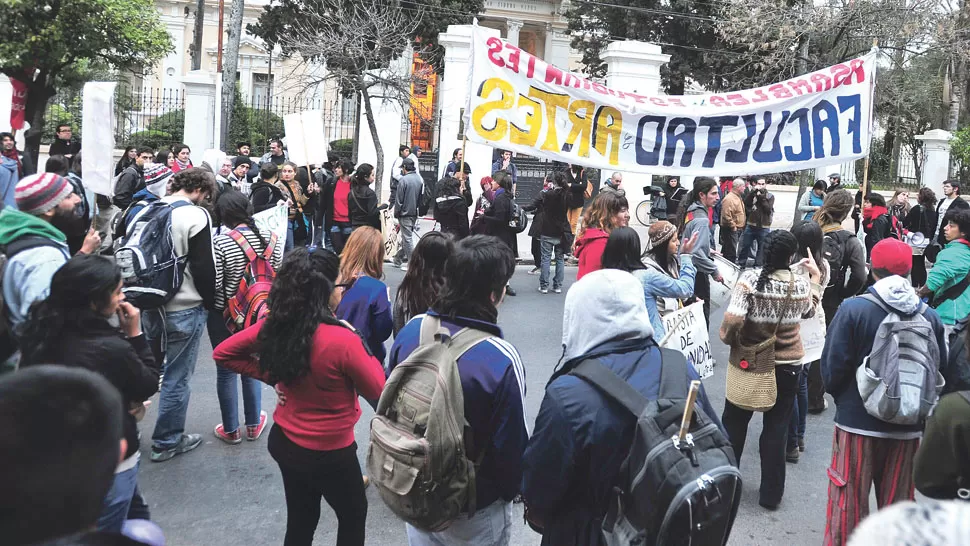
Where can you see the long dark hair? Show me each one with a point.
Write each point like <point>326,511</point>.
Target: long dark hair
<point>780,246</point>
<point>622,250</point>
<point>233,208</point>
<point>126,161</point>
<point>361,177</point>
<point>809,237</point>
<point>298,303</point>
<point>426,274</point>
<point>702,184</point>
<point>479,268</point>
<point>81,286</point>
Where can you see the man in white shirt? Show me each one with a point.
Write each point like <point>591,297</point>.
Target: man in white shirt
<point>951,201</point>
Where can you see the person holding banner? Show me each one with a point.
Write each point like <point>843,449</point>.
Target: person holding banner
<point>768,303</point>
<point>695,219</point>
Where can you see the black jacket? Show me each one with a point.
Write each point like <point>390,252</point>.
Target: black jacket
<point>362,206</point>
<point>66,148</point>
<point>759,215</point>
<point>921,219</point>
<point>552,221</point>
<point>497,218</point>
<point>577,188</point>
<point>451,206</point>
<point>265,196</point>
<point>127,364</point>
<point>878,231</point>
<point>325,179</point>
<point>130,182</point>
<point>957,204</point>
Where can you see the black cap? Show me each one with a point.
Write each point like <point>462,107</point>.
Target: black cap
<point>241,160</point>
<point>836,175</point>
<point>408,165</point>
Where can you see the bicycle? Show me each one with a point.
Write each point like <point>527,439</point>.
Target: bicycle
<point>644,209</point>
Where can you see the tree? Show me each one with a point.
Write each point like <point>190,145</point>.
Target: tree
<point>48,45</point>
<point>229,64</point>
<point>195,52</point>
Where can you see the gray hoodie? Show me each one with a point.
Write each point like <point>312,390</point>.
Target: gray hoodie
<point>604,305</point>
<point>701,225</point>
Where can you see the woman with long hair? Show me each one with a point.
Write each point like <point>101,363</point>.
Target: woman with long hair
<point>694,218</point>
<point>809,238</point>
<point>183,161</point>
<point>422,283</point>
<point>127,159</point>
<point>362,201</point>
<point>320,367</point>
<point>165,157</point>
<point>899,205</point>
<point>71,327</point>
<point>296,229</point>
<point>499,214</point>
<point>921,219</point>
<point>770,301</point>
<point>606,212</point>
<point>337,202</point>
<point>361,295</point>
<point>235,248</point>
<point>666,280</point>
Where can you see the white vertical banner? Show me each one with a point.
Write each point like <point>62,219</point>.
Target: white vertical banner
<point>306,142</point>
<point>98,124</point>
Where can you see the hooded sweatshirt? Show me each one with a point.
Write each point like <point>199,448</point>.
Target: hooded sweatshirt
<point>27,276</point>
<point>589,250</point>
<point>8,182</point>
<point>698,221</point>
<point>581,437</point>
<point>849,340</point>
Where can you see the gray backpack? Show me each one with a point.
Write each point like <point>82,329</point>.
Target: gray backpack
<point>899,381</point>
<point>418,455</point>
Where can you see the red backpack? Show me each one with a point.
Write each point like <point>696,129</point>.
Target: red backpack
<point>250,303</point>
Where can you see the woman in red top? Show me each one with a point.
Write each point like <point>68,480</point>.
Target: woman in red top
<point>606,212</point>
<point>319,366</point>
<point>341,226</point>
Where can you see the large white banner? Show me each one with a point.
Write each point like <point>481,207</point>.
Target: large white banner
<point>521,103</point>
<point>98,120</point>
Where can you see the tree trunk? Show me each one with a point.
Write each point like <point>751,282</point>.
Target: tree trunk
<point>35,111</point>
<point>956,98</point>
<point>196,52</point>
<point>801,66</point>
<point>229,63</point>
<point>378,149</point>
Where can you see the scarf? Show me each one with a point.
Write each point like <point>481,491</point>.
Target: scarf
<point>12,154</point>
<point>184,165</point>
<point>870,214</point>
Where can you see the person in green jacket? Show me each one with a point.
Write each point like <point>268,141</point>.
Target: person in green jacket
<point>942,467</point>
<point>948,283</point>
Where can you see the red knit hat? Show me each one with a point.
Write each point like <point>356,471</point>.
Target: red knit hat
<point>39,193</point>
<point>892,255</point>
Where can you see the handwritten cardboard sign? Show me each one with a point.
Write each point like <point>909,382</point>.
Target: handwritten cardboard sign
<point>687,333</point>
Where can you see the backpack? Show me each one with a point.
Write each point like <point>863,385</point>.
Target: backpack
<point>667,493</point>
<point>833,250</point>
<point>121,219</point>
<point>899,380</point>
<point>519,220</point>
<point>151,271</point>
<point>8,341</point>
<point>250,303</point>
<point>426,198</point>
<point>419,451</point>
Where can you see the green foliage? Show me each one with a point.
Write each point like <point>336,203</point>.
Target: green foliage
<point>156,139</point>
<point>170,123</point>
<point>253,125</point>
<point>343,147</point>
<point>960,152</point>
<point>68,111</point>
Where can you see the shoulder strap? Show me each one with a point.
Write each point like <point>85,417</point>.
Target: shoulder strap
<point>965,395</point>
<point>271,247</point>
<point>673,374</point>
<point>430,326</point>
<point>465,339</point>
<point>26,243</point>
<point>243,243</point>
<point>603,379</point>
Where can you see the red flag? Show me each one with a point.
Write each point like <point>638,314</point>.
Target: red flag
<point>18,104</point>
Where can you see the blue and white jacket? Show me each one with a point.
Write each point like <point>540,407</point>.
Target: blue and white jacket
<point>366,307</point>
<point>659,288</point>
<point>493,385</point>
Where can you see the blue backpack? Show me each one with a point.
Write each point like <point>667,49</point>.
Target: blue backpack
<point>151,270</point>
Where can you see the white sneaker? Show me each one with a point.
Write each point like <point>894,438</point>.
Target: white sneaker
<point>543,290</point>
<point>557,290</point>
<point>404,266</point>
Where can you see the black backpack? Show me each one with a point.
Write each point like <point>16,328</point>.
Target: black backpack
<point>668,493</point>
<point>833,249</point>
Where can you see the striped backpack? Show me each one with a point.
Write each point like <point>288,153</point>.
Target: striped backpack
<point>250,303</point>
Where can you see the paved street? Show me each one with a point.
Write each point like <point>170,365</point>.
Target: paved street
<point>229,495</point>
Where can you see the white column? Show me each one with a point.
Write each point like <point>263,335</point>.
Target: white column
<point>558,51</point>
<point>512,28</point>
<point>173,64</point>
<point>936,159</point>
<point>633,67</point>
<point>200,112</point>
<point>453,94</point>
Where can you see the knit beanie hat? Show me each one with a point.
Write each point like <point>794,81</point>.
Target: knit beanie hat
<point>660,233</point>
<point>157,177</point>
<point>241,160</point>
<point>892,255</point>
<point>909,523</point>
<point>39,193</point>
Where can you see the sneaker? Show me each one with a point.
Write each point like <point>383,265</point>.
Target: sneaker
<point>509,291</point>
<point>231,438</point>
<point>543,290</point>
<point>404,266</point>
<point>187,443</point>
<point>534,271</point>
<point>801,444</point>
<point>557,290</point>
<point>792,456</point>
<point>254,432</point>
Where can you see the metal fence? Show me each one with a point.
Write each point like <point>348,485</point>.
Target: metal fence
<point>261,118</point>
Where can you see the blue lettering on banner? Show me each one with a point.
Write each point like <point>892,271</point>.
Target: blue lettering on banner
<point>741,156</point>
<point>805,132</point>
<point>855,122</point>
<point>774,154</point>
<point>819,126</point>
<point>715,124</point>
<point>686,136</point>
<point>650,157</point>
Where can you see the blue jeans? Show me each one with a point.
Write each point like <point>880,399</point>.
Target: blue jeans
<point>226,384</point>
<point>339,234</point>
<point>116,502</point>
<point>748,237</point>
<point>490,526</point>
<point>546,246</point>
<point>180,332</point>
<point>796,428</point>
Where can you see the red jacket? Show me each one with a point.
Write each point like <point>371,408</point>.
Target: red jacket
<point>589,250</point>
<point>321,409</point>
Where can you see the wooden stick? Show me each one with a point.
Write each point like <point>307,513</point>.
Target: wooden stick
<point>461,166</point>
<point>695,387</point>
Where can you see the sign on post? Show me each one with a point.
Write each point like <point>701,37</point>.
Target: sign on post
<point>98,120</point>
<point>687,333</point>
<point>305,142</point>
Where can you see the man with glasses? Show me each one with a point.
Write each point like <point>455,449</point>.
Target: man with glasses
<point>65,144</point>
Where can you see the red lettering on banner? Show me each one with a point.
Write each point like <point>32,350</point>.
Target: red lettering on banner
<point>737,99</point>
<point>639,98</point>
<point>658,101</point>
<point>495,51</point>
<point>18,104</point>
<point>780,91</point>
<point>718,100</point>
<point>858,69</point>
<point>553,75</point>
<point>822,82</point>
<point>840,73</point>
<point>514,57</point>
<point>675,101</point>
<point>800,84</point>
<point>600,88</point>
<point>760,95</point>
<point>530,72</point>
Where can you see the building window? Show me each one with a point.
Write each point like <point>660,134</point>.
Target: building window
<point>262,84</point>
<point>348,109</point>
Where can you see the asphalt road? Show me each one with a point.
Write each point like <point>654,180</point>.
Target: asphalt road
<point>228,495</point>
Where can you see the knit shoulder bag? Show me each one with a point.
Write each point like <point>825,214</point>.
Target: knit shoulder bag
<point>751,368</point>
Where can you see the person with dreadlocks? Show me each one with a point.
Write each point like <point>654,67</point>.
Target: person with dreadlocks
<point>767,302</point>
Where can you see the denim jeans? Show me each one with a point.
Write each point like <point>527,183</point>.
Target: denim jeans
<point>407,236</point>
<point>748,237</point>
<point>547,245</point>
<point>180,333</point>
<point>226,384</point>
<point>339,234</point>
<point>796,429</point>
<point>116,502</point>
<point>489,526</point>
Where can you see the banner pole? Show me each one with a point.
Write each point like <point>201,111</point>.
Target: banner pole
<point>865,166</point>
<point>461,166</point>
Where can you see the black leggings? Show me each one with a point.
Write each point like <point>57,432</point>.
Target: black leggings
<point>308,475</point>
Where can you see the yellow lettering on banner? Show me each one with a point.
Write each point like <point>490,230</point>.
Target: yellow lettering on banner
<point>609,125</point>
<point>533,123</point>
<point>505,101</point>
<point>582,126</point>
<point>552,102</point>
